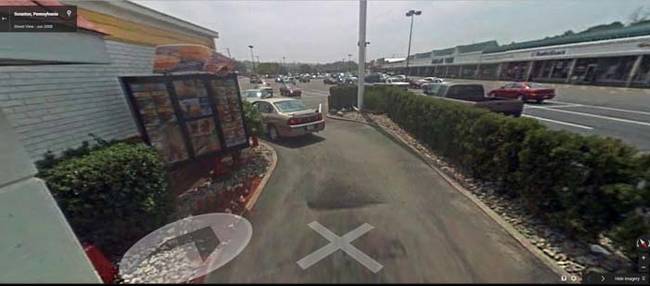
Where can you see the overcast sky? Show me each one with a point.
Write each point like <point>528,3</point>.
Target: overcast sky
<point>327,31</point>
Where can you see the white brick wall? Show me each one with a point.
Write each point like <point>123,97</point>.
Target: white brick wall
<point>54,107</point>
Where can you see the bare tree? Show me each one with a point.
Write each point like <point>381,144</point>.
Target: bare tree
<point>638,15</point>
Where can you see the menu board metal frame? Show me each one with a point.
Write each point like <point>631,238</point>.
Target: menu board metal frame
<point>204,78</point>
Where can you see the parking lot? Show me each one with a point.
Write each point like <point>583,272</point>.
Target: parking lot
<point>622,113</point>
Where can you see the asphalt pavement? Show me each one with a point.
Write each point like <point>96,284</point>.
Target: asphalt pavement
<point>393,218</point>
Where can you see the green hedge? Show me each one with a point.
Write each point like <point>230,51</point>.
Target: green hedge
<point>253,119</point>
<point>111,195</point>
<point>583,184</point>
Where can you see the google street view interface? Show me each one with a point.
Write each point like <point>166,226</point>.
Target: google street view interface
<point>151,141</point>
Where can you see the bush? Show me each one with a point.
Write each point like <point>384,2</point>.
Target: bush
<point>111,196</point>
<point>585,185</point>
<point>253,119</point>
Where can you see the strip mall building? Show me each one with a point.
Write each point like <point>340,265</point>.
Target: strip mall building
<point>612,57</point>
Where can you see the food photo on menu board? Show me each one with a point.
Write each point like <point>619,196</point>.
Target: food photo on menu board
<point>159,120</point>
<point>192,98</point>
<point>203,135</point>
<point>227,105</point>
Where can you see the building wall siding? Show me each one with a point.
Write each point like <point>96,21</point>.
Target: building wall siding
<point>54,107</point>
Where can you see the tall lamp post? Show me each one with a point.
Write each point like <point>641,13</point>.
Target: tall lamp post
<point>362,53</point>
<point>252,58</point>
<point>350,62</point>
<point>412,14</point>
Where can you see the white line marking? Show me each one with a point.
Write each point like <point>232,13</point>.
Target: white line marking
<point>560,106</point>
<point>603,107</point>
<point>320,92</point>
<point>558,122</point>
<point>595,116</point>
<point>342,243</point>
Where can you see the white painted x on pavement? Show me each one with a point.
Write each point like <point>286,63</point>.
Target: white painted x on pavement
<point>343,243</point>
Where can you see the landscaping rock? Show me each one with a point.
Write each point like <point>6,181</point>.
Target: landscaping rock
<point>595,248</point>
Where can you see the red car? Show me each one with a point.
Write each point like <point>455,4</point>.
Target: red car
<point>290,90</point>
<point>524,91</point>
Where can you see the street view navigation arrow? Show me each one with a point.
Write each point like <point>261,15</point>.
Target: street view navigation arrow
<point>186,249</point>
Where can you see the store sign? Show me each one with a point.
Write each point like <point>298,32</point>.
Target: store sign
<point>188,116</point>
<point>547,53</point>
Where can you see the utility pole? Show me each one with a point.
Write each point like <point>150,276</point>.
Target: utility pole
<point>412,14</point>
<point>362,53</point>
<point>252,58</point>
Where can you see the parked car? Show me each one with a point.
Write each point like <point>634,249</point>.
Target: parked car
<point>288,89</point>
<point>268,90</point>
<point>330,80</point>
<point>524,91</point>
<point>305,78</point>
<point>289,80</point>
<point>279,79</point>
<point>474,95</point>
<point>393,82</point>
<point>348,80</point>
<point>418,83</point>
<point>288,117</point>
<point>375,77</point>
<point>255,79</point>
<point>252,95</point>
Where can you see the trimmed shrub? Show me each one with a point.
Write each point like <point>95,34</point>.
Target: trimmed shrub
<point>111,196</point>
<point>253,119</point>
<point>585,185</point>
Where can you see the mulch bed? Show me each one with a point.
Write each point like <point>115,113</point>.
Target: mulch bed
<point>228,192</point>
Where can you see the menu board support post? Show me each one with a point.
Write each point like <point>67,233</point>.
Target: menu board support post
<point>236,159</point>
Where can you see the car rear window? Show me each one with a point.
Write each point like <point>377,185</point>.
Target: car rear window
<point>470,92</point>
<point>290,105</point>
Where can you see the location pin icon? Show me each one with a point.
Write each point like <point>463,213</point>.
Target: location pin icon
<point>68,12</point>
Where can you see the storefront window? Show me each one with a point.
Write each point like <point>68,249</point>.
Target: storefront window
<point>605,71</point>
<point>551,71</point>
<point>488,71</point>
<point>440,71</point>
<point>469,71</point>
<point>514,71</point>
<point>453,71</point>
<point>642,76</point>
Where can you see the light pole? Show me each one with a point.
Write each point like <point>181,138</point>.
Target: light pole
<point>412,14</point>
<point>362,53</point>
<point>252,58</point>
<point>350,62</point>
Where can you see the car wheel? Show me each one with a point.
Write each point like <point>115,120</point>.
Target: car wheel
<point>273,133</point>
<point>539,101</point>
<point>521,97</point>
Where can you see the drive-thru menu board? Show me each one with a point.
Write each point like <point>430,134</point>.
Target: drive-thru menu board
<point>188,116</point>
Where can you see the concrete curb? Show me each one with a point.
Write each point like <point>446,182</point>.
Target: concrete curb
<point>523,241</point>
<point>258,191</point>
<point>346,119</point>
